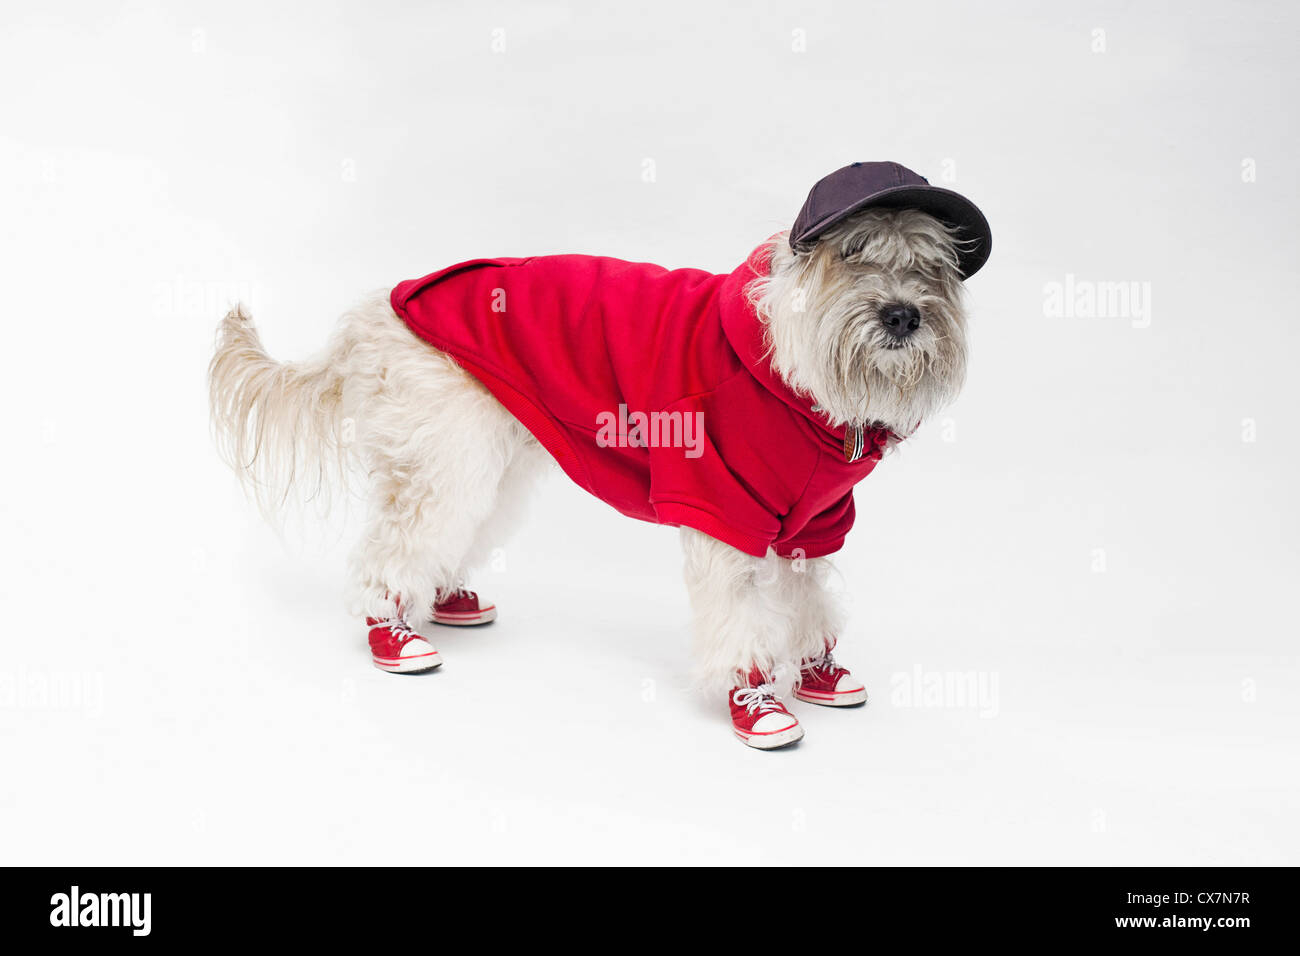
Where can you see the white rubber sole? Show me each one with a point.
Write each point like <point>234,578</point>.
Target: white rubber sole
<point>486,616</point>
<point>780,738</point>
<point>408,665</point>
<point>849,699</point>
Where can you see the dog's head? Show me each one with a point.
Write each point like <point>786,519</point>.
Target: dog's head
<point>870,321</point>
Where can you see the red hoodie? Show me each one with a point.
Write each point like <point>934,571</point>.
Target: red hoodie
<point>652,390</point>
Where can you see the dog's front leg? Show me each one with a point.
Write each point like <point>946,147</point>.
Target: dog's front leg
<point>742,618</point>
<point>745,619</point>
<point>818,624</point>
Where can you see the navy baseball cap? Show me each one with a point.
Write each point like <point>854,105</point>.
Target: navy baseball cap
<point>862,186</point>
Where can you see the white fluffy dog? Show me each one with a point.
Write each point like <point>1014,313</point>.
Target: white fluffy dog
<point>448,466</point>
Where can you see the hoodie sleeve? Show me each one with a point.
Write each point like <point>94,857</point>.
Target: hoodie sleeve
<point>821,535</point>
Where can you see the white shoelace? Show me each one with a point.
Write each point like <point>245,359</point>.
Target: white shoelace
<point>398,628</point>
<point>761,698</point>
<point>826,661</point>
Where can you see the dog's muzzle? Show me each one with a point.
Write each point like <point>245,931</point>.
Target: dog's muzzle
<point>900,320</point>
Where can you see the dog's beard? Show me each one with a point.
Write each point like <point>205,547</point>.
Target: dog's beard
<point>874,377</point>
<point>824,324</point>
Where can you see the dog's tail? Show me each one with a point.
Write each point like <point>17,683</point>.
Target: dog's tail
<point>277,424</point>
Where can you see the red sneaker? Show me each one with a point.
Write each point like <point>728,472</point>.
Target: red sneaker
<point>758,716</point>
<point>398,649</point>
<point>822,681</point>
<point>463,609</point>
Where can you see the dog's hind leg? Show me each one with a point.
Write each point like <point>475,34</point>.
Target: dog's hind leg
<point>462,607</point>
<point>527,463</point>
<point>438,449</point>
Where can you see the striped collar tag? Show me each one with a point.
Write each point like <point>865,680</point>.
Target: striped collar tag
<point>853,443</point>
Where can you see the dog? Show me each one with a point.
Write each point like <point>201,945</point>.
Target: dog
<point>742,408</point>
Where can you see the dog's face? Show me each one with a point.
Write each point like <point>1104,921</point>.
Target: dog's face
<point>870,322</point>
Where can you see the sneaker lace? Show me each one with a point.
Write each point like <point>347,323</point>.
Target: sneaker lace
<point>826,662</point>
<point>398,628</point>
<point>761,698</point>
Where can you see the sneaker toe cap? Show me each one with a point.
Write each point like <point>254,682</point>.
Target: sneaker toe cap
<point>773,723</point>
<point>848,684</point>
<point>417,647</point>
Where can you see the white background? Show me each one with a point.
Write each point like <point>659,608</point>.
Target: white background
<point>1104,524</point>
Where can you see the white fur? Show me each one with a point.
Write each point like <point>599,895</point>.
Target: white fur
<point>447,468</point>
<point>823,325</point>
<point>769,612</point>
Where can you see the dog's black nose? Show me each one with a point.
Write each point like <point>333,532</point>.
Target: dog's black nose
<point>900,320</point>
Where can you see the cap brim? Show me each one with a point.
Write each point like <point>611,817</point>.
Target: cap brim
<point>953,209</point>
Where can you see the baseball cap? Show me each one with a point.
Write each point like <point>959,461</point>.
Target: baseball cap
<point>860,186</point>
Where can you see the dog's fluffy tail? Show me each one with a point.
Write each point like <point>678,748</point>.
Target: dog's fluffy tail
<point>277,424</point>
